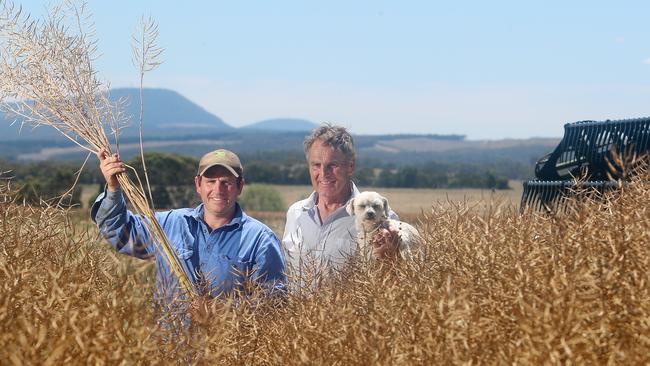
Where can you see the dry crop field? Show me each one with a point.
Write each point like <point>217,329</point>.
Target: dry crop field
<point>490,286</point>
<point>409,203</point>
<point>413,201</point>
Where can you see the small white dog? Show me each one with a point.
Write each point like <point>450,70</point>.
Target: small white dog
<point>371,213</point>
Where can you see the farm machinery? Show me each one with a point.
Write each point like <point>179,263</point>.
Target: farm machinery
<point>593,157</point>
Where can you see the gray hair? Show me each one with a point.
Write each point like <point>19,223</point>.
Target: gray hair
<point>335,136</point>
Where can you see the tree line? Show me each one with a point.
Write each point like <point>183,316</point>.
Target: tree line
<point>48,179</point>
<point>368,175</point>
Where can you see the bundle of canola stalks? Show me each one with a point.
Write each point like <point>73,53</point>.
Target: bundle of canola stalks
<point>47,79</point>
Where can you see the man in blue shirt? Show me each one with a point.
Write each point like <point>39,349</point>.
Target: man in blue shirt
<point>217,242</point>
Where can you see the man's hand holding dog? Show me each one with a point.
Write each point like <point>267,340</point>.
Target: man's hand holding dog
<point>385,244</point>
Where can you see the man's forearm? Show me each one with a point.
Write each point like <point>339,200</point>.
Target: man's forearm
<point>122,229</point>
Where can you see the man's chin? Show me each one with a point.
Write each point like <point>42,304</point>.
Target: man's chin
<point>219,208</point>
<point>328,191</point>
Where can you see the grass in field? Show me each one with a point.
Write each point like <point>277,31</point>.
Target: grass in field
<point>407,202</point>
<point>490,286</point>
<point>411,201</point>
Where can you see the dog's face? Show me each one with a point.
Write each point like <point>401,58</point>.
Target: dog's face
<point>370,209</point>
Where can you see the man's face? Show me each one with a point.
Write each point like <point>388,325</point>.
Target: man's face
<point>219,190</point>
<point>330,171</point>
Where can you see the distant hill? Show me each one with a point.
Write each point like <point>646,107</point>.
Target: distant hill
<point>166,114</point>
<point>277,145</point>
<point>282,124</point>
<point>174,124</point>
<point>11,130</point>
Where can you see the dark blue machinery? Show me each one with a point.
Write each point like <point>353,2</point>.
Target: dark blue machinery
<point>585,158</point>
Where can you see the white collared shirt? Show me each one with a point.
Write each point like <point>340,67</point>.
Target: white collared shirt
<point>310,243</point>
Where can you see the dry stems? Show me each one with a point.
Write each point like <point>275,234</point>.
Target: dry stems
<point>46,67</point>
<point>490,287</point>
<point>146,58</point>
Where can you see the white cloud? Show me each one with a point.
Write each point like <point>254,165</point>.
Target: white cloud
<point>619,39</point>
<point>646,61</point>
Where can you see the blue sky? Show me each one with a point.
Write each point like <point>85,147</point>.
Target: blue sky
<point>486,69</point>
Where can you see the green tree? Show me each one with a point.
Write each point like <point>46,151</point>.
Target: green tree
<point>166,169</point>
<point>298,174</point>
<point>49,185</point>
<point>261,197</point>
<point>161,197</point>
<point>364,177</point>
<point>407,177</point>
<point>387,178</point>
<point>263,172</point>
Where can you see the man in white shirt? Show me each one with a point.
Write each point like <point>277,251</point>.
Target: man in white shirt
<point>319,233</point>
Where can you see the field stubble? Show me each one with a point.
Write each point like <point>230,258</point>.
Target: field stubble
<point>409,203</point>
<point>490,286</point>
<point>413,201</point>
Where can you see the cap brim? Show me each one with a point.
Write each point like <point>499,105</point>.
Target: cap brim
<point>230,169</point>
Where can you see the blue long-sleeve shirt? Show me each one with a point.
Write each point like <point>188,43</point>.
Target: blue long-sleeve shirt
<point>225,257</point>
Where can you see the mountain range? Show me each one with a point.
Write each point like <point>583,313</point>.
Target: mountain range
<point>166,114</point>
<point>173,123</point>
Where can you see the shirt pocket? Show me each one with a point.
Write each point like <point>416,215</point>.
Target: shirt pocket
<point>339,249</point>
<point>227,274</point>
<point>183,242</point>
<point>237,266</point>
<point>293,241</point>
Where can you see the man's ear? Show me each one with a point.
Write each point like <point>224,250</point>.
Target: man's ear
<point>242,183</point>
<point>386,207</point>
<point>352,163</point>
<point>350,207</point>
<point>197,183</point>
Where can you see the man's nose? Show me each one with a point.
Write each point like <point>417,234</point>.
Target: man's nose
<point>219,187</point>
<point>325,170</point>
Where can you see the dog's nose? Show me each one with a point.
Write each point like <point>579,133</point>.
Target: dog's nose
<point>370,215</point>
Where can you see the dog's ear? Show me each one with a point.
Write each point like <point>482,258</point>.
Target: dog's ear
<point>386,206</point>
<point>350,207</point>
